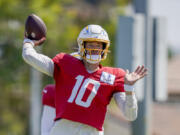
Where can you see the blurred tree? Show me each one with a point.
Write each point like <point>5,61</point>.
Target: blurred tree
<point>64,20</point>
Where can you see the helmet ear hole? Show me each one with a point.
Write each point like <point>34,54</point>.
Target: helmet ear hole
<point>104,46</point>
<point>84,44</point>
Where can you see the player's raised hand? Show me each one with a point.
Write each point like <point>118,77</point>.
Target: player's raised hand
<point>39,42</point>
<point>131,78</point>
<point>36,42</point>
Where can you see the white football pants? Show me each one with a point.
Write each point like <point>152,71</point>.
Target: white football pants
<point>67,127</point>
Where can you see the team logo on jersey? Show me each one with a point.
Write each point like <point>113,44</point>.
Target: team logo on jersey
<point>107,78</point>
<point>45,91</point>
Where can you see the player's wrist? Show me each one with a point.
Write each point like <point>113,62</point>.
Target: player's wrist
<point>26,40</point>
<point>129,88</point>
<point>130,93</point>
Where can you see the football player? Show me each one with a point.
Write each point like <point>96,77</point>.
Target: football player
<point>48,113</point>
<point>83,86</point>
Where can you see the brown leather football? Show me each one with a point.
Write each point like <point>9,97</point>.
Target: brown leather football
<point>35,28</point>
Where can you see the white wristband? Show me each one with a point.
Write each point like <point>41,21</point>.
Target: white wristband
<point>26,40</point>
<point>129,87</point>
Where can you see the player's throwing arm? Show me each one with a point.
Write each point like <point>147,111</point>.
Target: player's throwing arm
<point>35,34</point>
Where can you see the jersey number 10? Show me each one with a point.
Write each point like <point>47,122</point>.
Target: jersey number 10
<point>82,90</point>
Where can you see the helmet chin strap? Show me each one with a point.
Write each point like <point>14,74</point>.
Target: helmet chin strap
<point>93,59</point>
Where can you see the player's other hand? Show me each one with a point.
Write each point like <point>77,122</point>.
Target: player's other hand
<point>131,78</point>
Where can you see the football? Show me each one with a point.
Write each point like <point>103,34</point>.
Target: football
<point>35,28</point>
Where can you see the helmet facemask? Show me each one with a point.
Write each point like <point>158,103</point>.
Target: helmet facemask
<point>93,55</point>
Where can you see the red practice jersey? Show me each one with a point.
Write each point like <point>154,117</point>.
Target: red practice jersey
<point>81,96</point>
<point>48,95</point>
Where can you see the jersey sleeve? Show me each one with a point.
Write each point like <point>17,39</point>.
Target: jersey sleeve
<point>119,82</point>
<point>58,58</point>
<point>39,61</point>
<point>48,96</point>
<point>58,63</point>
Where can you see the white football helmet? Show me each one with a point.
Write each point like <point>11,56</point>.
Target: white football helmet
<point>93,33</point>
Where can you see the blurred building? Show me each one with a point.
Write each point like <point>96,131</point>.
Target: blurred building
<point>165,115</point>
<point>174,78</point>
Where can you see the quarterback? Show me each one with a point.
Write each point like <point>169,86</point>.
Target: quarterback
<point>83,86</point>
